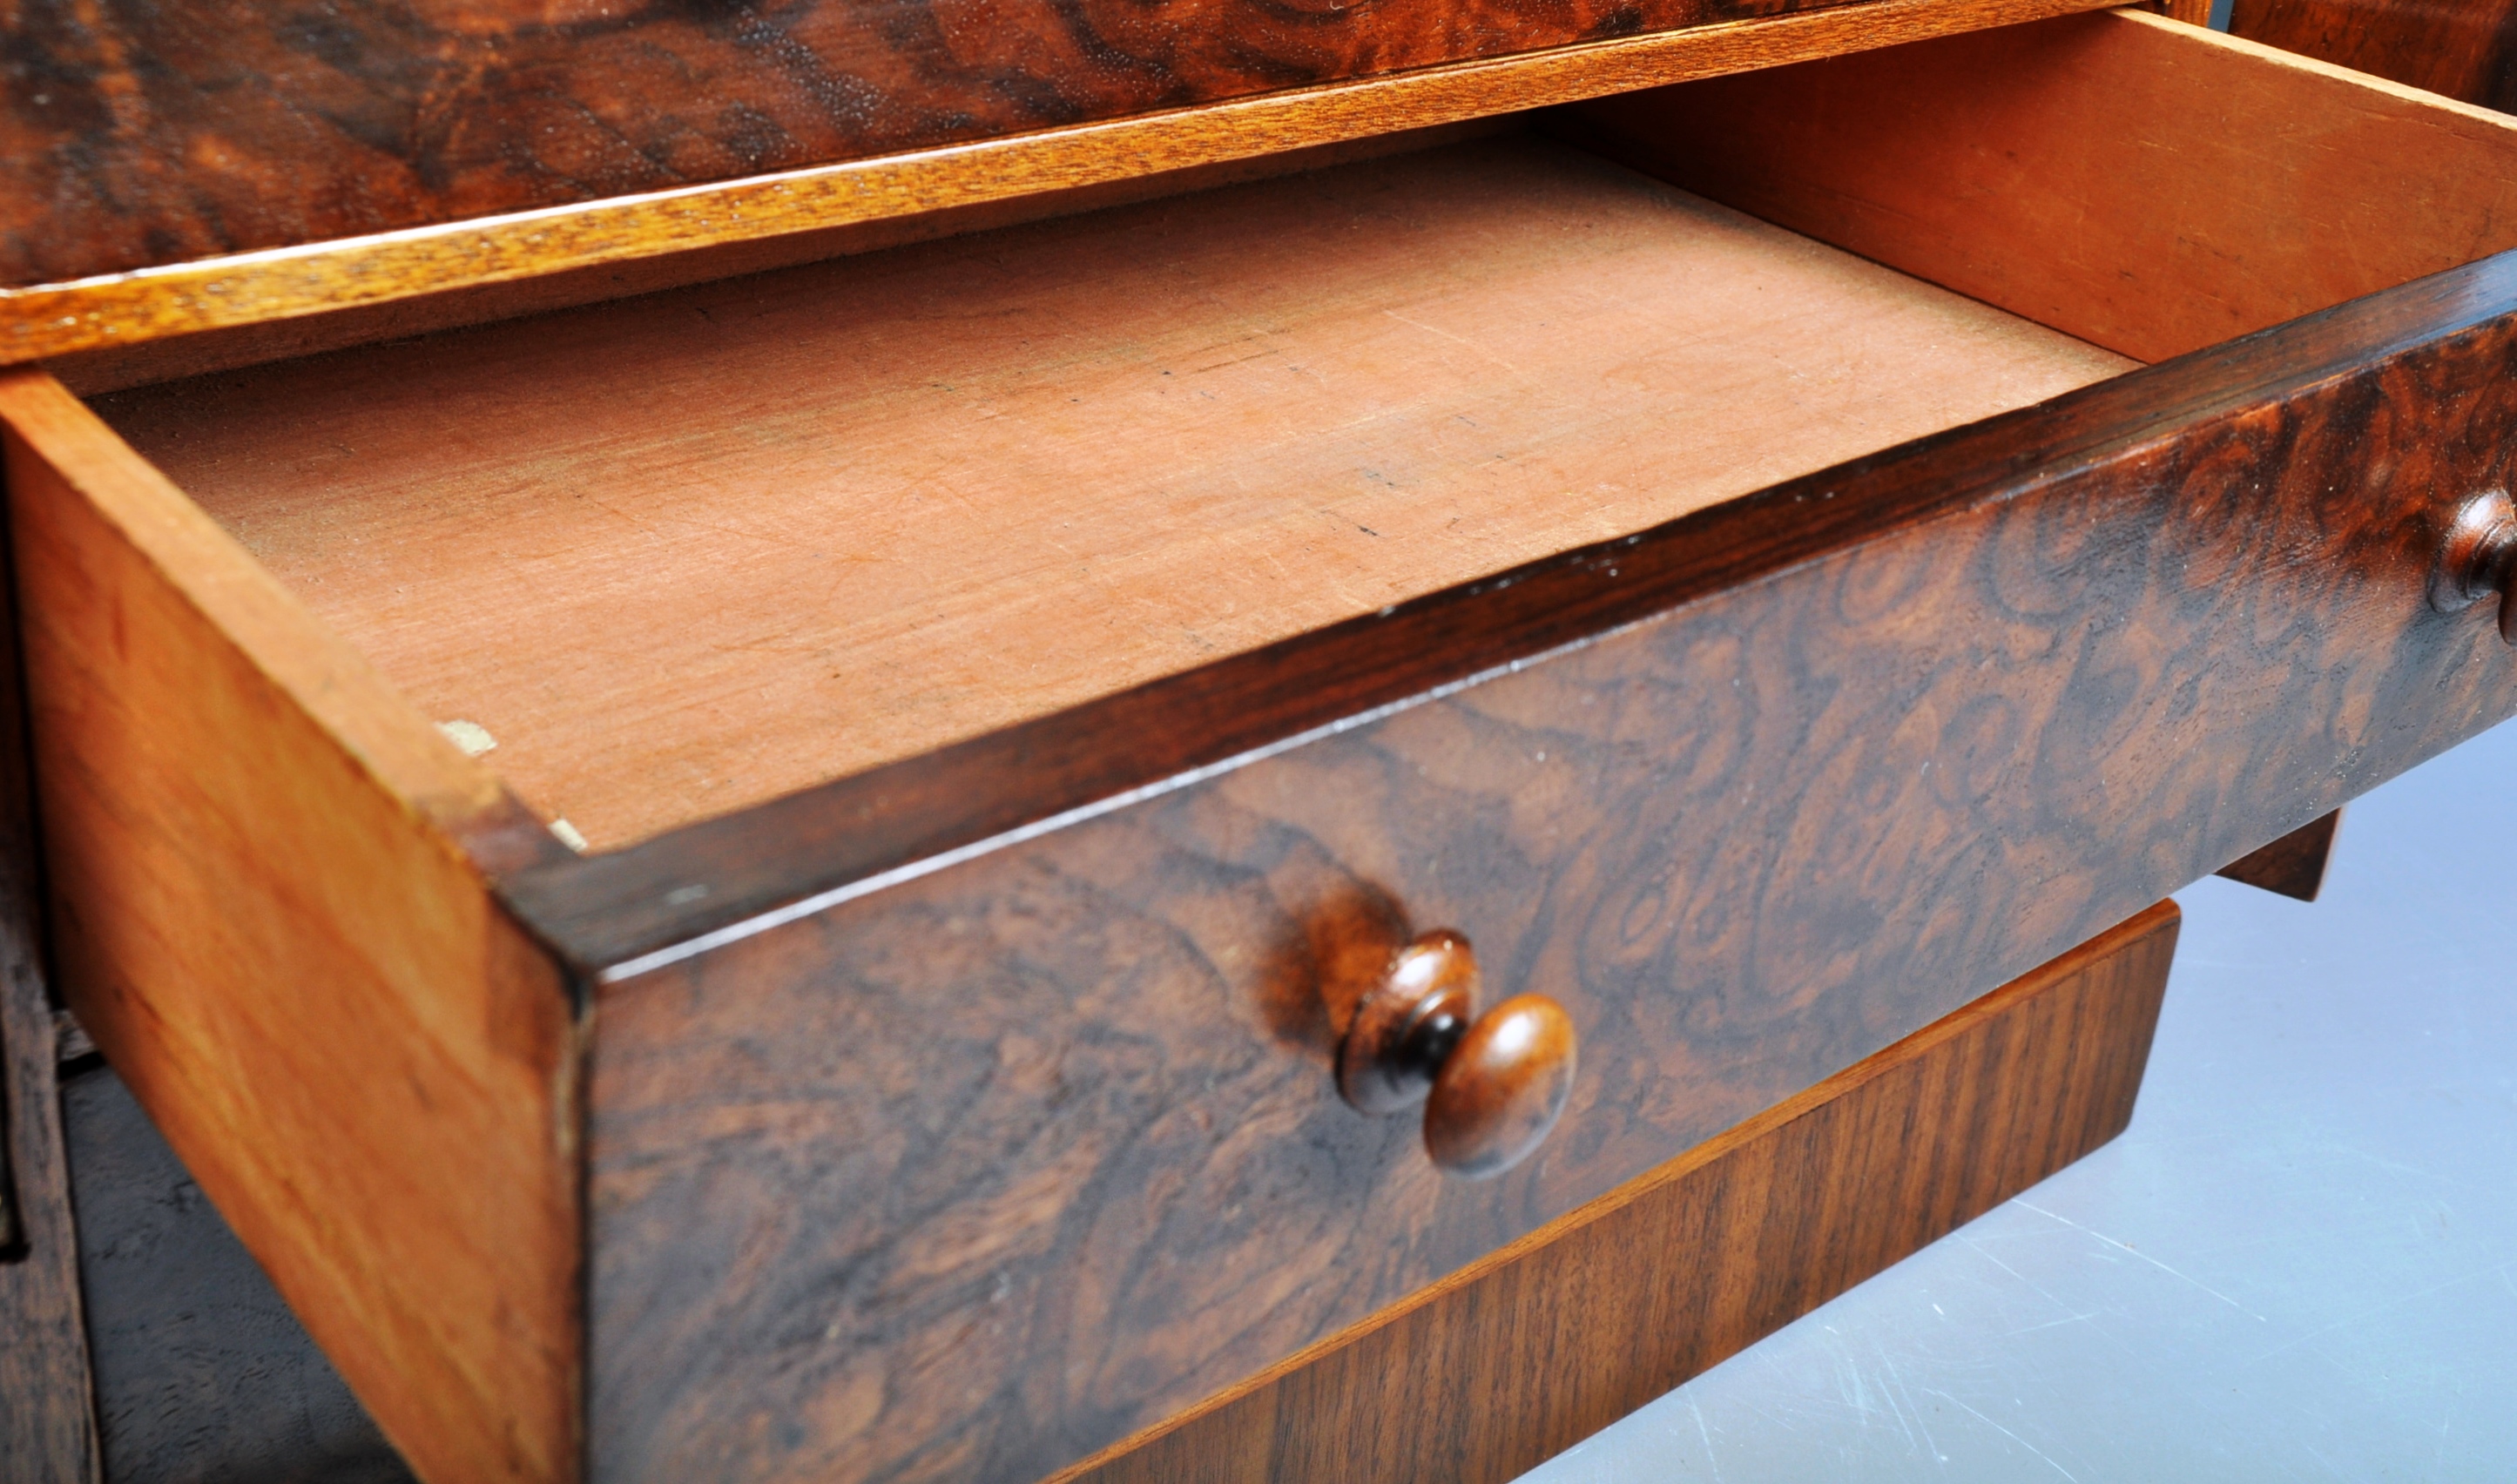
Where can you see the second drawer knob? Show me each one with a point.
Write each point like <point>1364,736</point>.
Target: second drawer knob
<point>1492,1084</point>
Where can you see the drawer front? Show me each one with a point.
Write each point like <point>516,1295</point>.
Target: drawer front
<point>973,1174</point>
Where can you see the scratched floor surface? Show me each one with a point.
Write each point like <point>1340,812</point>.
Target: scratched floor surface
<point>2299,1263</point>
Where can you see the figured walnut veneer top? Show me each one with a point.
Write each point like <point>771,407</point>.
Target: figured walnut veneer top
<point>133,136</point>
<point>683,554</point>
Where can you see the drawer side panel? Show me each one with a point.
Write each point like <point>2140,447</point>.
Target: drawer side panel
<point>261,910</point>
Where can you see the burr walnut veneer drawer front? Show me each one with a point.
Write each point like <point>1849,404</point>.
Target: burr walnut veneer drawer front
<point>1766,560</point>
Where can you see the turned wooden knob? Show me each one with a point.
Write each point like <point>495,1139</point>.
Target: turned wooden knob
<point>2479,558</point>
<point>1492,1085</point>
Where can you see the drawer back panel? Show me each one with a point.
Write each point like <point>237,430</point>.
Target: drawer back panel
<point>2140,183</point>
<point>975,1174</point>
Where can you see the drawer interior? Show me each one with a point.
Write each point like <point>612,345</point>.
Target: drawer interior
<point>681,554</point>
<point>692,551</point>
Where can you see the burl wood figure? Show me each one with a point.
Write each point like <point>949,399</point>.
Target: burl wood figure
<point>1791,542</point>
<point>163,133</point>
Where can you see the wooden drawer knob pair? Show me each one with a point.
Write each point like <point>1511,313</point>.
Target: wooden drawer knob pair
<point>1492,1085</point>
<point>2480,558</point>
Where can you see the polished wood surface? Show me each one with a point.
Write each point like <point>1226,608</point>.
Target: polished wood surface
<point>1752,795</point>
<point>1397,1033</point>
<point>2477,559</point>
<point>875,507</point>
<point>121,308</point>
<point>2462,48</point>
<point>704,882</point>
<point>1492,1084</point>
<point>262,909</point>
<point>2292,866</point>
<point>143,138</point>
<point>2145,185</point>
<point>46,1400</point>
<point>1544,1342</point>
<point>1500,1088</point>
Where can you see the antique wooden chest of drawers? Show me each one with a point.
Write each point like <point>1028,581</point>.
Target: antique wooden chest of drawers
<point>741,828</point>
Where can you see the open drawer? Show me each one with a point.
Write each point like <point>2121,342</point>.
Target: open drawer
<point>1719,548</point>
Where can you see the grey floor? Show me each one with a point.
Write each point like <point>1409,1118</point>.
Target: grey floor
<point>2299,1263</point>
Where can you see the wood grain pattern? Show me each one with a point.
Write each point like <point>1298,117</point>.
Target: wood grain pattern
<point>1547,1341</point>
<point>115,367</point>
<point>973,1162</point>
<point>379,118</point>
<point>262,909</point>
<point>2466,49</point>
<point>46,1399</point>
<point>118,307</point>
<point>2292,866</point>
<point>2145,185</point>
<point>885,504</point>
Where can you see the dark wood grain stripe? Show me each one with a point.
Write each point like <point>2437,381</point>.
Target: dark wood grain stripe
<point>46,1399</point>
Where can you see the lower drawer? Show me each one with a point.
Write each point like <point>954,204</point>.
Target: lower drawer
<point>930,1073</point>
